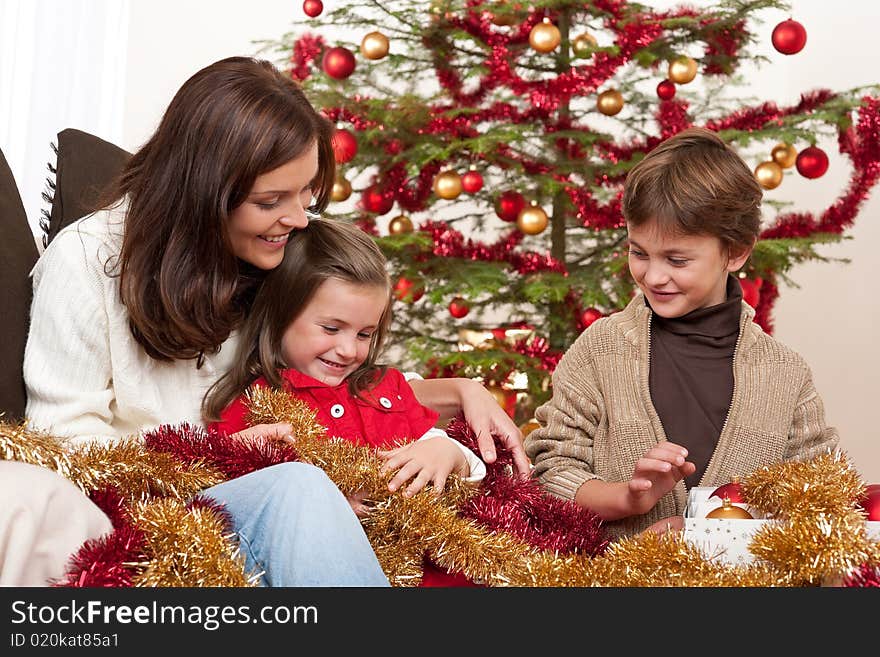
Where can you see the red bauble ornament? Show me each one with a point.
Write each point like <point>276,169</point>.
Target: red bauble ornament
<point>589,316</point>
<point>751,290</point>
<point>409,291</point>
<point>338,62</point>
<point>812,162</point>
<point>509,204</point>
<point>731,491</point>
<point>313,7</point>
<point>378,200</point>
<point>666,89</point>
<point>472,182</point>
<point>345,146</point>
<point>789,37</point>
<point>458,308</point>
<point>870,502</point>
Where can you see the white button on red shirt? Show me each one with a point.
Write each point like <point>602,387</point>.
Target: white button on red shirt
<point>337,410</point>
<point>385,402</point>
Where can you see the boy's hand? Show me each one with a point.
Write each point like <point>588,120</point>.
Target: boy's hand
<point>670,524</point>
<point>423,461</point>
<point>655,474</point>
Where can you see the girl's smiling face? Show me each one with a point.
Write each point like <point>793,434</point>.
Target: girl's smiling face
<point>332,335</point>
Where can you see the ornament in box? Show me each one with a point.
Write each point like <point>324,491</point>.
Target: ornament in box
<point>731,491</point>
<point>729,511</point>
<point>870,502</point>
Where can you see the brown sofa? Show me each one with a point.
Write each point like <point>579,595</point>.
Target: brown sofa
<point>85,165</point>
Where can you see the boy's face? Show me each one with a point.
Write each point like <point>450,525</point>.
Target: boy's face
<point>331,337</point>
<point>679,273</point>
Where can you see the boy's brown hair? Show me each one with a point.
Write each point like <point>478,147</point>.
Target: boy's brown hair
<point>695,184</point>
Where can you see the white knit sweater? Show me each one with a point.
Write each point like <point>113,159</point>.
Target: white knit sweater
<point>86,376</point>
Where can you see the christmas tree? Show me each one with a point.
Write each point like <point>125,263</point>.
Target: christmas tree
<point>485,146</point>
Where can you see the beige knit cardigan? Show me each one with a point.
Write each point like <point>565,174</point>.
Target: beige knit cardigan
<point>600,419</point>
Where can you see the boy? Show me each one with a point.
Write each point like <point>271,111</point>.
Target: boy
<point>681,388</point>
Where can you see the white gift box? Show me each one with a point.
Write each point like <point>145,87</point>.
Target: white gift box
<point>728,540</point>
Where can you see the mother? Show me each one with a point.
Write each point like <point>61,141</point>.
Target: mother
<point>136,307</point>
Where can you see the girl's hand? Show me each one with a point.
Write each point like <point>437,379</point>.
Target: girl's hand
<point>431,460</point>
<point>451,396</point>
<point>279,431</point>
<point>356,501</point>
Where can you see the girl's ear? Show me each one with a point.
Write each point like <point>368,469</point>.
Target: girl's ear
<point>738,255</point>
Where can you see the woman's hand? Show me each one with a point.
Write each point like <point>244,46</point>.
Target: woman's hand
<point>481,411</point>
<point>486,417</point>
<point>423,461</point>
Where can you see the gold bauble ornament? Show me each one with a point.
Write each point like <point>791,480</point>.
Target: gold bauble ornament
<point>374,45</point>
<point>785,155</point>
<point>447,184</point>
<point>610,102</point>
<point>500,394</point>
<point>545,36</point>
<point>527,427</point>
<point>728,511</point>
<point>583,44</point>
<point>341,189</point>
<point>532,219</point>
<point>682,70</point>
<point>399,225</point>
<point>769,174</point>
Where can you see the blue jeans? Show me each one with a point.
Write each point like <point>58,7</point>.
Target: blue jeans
<point>296,527</point>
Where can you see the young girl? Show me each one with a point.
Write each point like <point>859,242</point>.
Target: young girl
<point>680,388</point>
<point>315,329</point>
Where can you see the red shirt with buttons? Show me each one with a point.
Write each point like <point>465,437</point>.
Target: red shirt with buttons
<point>386,412</point>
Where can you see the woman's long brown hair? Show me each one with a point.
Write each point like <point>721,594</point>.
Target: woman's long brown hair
<point>234,120</point>
<point>322,250</point>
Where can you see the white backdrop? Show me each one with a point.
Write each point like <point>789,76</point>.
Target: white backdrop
<point>830,319</point>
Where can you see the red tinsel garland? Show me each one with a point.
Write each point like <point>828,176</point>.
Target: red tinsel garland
<point>866,577</point>
<point>504,503</point>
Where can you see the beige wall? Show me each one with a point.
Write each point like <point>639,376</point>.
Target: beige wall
<point>830,320</point>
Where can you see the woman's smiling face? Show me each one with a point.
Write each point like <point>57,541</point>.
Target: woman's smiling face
<point>276,205</point>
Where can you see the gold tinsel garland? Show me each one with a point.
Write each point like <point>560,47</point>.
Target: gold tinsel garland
<point>817,535</point>
<point>190,547</point>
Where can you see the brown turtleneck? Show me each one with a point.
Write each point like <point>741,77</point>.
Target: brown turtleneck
<point>691,375</point>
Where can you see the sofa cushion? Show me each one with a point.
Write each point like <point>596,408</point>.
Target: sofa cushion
<point>18,253</point>
<point>85,167</point>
